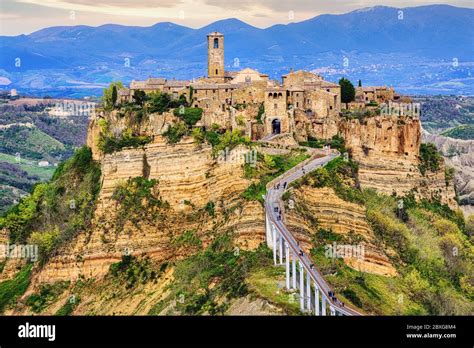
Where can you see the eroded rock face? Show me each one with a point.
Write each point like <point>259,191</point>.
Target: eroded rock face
<point>387,150</point>
<point>344,218</point>
<point>188,178</point>
<point>458,154</point>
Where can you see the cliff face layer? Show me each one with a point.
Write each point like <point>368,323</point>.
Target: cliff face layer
<point>458,154</point>
<point>202,197</point>
<point>341,217</point>
<point>387,151</point>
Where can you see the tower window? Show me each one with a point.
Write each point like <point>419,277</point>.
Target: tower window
<point>217,72</point>
<point>216,43</point>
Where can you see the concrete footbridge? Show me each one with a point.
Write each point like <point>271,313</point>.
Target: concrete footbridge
<point>315,294</point>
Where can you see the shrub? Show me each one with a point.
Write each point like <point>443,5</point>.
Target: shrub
<point>110,144</point>
<point>198,135</point>
<point>131,270</point>
<point>430,159</point>
<point>46,241</point>
<point>190,116</point>
<point>175,132</point>
<point>210,208</point>
<point>48,294</point>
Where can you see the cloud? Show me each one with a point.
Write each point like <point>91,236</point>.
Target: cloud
<point>124,3</point>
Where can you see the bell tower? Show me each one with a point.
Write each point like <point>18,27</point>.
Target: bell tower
<point>215,56</point>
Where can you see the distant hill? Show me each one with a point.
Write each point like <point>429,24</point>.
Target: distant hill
<point>32,142</point>
<point>381,44</point>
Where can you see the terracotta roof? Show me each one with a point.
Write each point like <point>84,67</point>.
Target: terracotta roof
<point>155,81</point>
<point>177,83</point>
<point>214,86</point>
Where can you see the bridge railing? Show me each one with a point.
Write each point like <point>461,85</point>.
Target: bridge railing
<point>277,232</point>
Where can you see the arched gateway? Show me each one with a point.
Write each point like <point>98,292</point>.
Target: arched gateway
<point>276,126</point>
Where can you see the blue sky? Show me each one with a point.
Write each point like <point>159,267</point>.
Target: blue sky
<point>25,16</point>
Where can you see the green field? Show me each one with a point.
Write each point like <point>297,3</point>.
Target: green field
<point>29,166</point>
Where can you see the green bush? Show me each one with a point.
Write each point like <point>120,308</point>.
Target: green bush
<point>48,294</point>
<point>430,159</point>
<point>68,307</point>
<point>111,144</point>
<point>47,208</point>
<point>175,132</point>
<point>131,271</point>
<point>136,197</point>
<point>190,116</point>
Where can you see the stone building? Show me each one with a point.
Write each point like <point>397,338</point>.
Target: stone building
<point>233,99</point>
<point>375,94</point>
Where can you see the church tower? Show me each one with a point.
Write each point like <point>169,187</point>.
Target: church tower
<point>215,56</point>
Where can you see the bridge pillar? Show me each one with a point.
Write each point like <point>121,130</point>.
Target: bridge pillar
<point>293,261</point>
<point>323,304</point>
<point>316,299</point>
<point>268,230</point>
<point>287,262</point>
<point>301,287</point>
<point>280,248</point>
<point>274,244</point>
<point>308,291</point>
<point>333,310</point>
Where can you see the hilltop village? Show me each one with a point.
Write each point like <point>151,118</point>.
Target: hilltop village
<point>301,97</point>
<point>147,213</point>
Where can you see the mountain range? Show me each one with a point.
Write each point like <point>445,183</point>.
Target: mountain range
<point>419,50</point>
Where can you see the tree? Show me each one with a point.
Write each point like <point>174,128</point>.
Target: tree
<point>139,97</point>
<point>107,98</point>
<point>347,90</point>
<point>114,95</point>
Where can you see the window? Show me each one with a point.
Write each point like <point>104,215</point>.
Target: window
<point>297,104</point>
<point>216,43</point>
<point>275,106</point>
<point>217,72</point>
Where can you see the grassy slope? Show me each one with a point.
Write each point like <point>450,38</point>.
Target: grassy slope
<point>433,279</point>
<point>465,132</point>
<point>29,166</point>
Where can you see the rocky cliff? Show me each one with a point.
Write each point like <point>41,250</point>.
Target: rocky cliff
<point>458,154</point>
<point>387,151</point>
<point>188,179</point>
<point>341,217</point>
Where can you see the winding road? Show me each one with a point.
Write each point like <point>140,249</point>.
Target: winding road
<point>273,198</point>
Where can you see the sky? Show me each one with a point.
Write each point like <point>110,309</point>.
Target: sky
<point>26,16</point>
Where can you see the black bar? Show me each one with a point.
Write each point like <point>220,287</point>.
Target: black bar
<point>243,331</point>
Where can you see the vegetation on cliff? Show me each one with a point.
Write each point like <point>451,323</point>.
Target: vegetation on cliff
<point>266,169</point>
<point>109,142</point>
<point>205,282</point>
<point>430,158</point>
<point>56,211</point>
<point>12,289</point>
<point>426,241</point>
<point>135,198</point>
